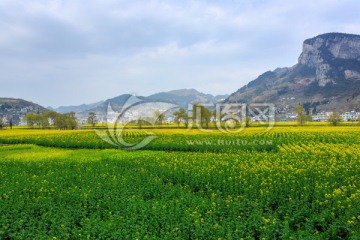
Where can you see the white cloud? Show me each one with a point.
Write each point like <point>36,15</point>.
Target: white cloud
<point>50,51</point>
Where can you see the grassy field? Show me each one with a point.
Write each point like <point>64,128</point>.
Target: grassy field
<point>289,182</point>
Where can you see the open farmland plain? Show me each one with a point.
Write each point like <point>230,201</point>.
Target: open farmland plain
<point>289,182</point>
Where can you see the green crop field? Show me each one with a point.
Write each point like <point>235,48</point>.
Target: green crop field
<point>286,183</point>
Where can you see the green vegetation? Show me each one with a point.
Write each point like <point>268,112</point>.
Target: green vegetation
<point>301,115</point>
<point>202,115</point>
<point>247,121</point>
<point>57,120</point>
<point>181,116</point>
<point>335,118</point>
<point>159,118</point>
<point>304,184</point>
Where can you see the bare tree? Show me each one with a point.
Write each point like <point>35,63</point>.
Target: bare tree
<point>92,119</point>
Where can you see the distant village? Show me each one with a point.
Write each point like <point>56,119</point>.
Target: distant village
<point>324,116</point>
<point>351,116</point>
<point>16,115</point>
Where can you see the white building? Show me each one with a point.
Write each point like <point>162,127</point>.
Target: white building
<point>350,116</point>
<point>347,116</point>
<point>321,117</point>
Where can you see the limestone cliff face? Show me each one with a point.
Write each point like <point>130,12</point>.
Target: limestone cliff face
<point>327,74</point>
<point>352,75</point>
<point>319,53</point>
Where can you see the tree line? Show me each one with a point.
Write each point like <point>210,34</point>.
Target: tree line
<point>201,116</point>
<point>51,119</point>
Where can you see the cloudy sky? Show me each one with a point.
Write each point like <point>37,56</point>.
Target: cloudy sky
<point>68,52</point>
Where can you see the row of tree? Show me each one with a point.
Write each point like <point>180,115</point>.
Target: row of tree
<point>52,119</point>
<point>200,115</point>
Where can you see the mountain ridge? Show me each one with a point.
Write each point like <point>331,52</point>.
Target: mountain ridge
<point>326,77</point>
<point>181,97</point>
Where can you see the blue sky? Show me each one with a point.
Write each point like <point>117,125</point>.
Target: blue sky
<point>68,52</point>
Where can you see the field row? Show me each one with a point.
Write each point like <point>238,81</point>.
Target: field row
<point>253,139</point>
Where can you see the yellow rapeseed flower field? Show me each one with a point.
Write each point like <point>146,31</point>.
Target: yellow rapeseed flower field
<point>286,183</point>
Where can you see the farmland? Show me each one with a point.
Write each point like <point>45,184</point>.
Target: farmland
<point>289,182</point>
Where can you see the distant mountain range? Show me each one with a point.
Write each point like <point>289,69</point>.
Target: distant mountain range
<point>326,77</point>
<point>181,97</point>
<point>11,108</point>
<point>79,108</point>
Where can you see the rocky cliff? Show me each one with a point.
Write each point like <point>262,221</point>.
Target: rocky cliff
<point>322,53</point>
<point>327,77</point>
